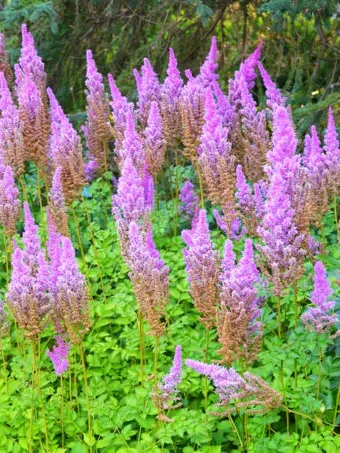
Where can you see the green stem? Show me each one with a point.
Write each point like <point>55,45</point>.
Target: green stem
<point>336,406</point>
<point>94,247</point>
<point>323,238</point>
<point>37,369</point>
<point>206,358</point>
<point>86,386</point>
<point>40,200</point>
<point>235,430</point>
<point>62,411</point>
<point>201,185</point>
<point>284,395</point>
<point>141,345</point>
<point>278,311</point>
<point>320,373</point>
<point>176,194</point>
<point>32,407</point>
<point>336,217</point>
<point>156,358</point>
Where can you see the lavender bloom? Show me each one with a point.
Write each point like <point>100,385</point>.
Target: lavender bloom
<point>170,94</point>
<point>98,126</point>
<point>59,355</point>
<point>284,138</point>
<point>166,393</point>
<point>239,329</point>
<point>56,205</point>
<point>332,151</point>
<point>132,146</point>
<point>282,249</point>
<point>148,88</point>
<point>234,229</point>
<point>317,318</point>
<point>120,109</point>
<point>11,130</point>
<point>5,67</point>
<point>247,68</point>
<point>71,306</point>
<point>65,150</point>
<point>34,117</point>
<point>30,62</point>
<point>250,393</point>
<point>150,278</point>
<point>202,269</point>
<point>207,73</point>
<point>224,108</point>
<point>132,203</point>
<point>154,141</point>
<point>91,168</point>
<point>9,202</point>
<point>27,295</point>
<point>274,96</point>
<point>189,200</point>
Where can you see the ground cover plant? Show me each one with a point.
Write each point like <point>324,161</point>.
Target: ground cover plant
<point>170,272</point>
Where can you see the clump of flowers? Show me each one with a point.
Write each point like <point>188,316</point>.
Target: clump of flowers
<point>59,355</point>
<point>250,393</point>
<point>9,202</point>
<point>27,295</point>
<point>318,318</point>
<point>154,141</point>
<point>165,394</point>
<point>149,276</point>
<point>56,206</point>
<point>202,269</point>
<point>189,201</point>
<point>238,326</point>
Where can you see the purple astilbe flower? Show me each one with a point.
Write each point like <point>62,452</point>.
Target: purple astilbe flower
<point>98,125</point>
<point>35,119</point>
<point>132,203</point>
<point>165,395</point>
<point>248,66</point>
<point>282,246</point>
<point>189,201</point>
<point>132,146</point>
<point>202,269</point>
<point>249,392</point>
<point>11,129</point>
<point>30,62</point>
<point>56,205</point>
<point>191,107</point>
<point>120,107</point>
<point>284,137</point>
<point>5,66</point>
<point>53,246</point>
<point>332,150</point>
<point>148,88</point>
<point>91,168</point>
<point>239,329</point>
<point>169,104</point>
<point>27,295</point>
<point>154,140</point>
<point>71,304</point>
<point>65,150</point>
<point>216,163</point>
<point>59,355</point>
<point>224,108</point>
<point>274,96</point>
<point>207,73</point>
<point>318,318</point>
<point>150,279</point>
<point>9,202</point>
<point>234,229</point>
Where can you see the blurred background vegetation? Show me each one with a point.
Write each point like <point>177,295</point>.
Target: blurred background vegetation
<point>302,43</point>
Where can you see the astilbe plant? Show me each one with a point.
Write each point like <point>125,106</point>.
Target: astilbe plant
<point>319,318</point>
<point>133,202</point>
<point>65,151</point>
<point>59,355</point>
<point>9,202</point>
<point>189,205</point>
<point>56,205</point>
<point>5,67</point>
<point>165,394</point>
<point>273,94</point>
<point>27,296</point>
<point>148,88</point>
<point>98,130</point>
<point>216,163</point>
<point>30,78</point>
<point>238,326</point>
<point>150,278</point>
<point>202,269</point>
<point>249,393</point>
<point>11,130</point>
<point>169,101</point>
<point>154,141</point>
<point>332,153</point>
